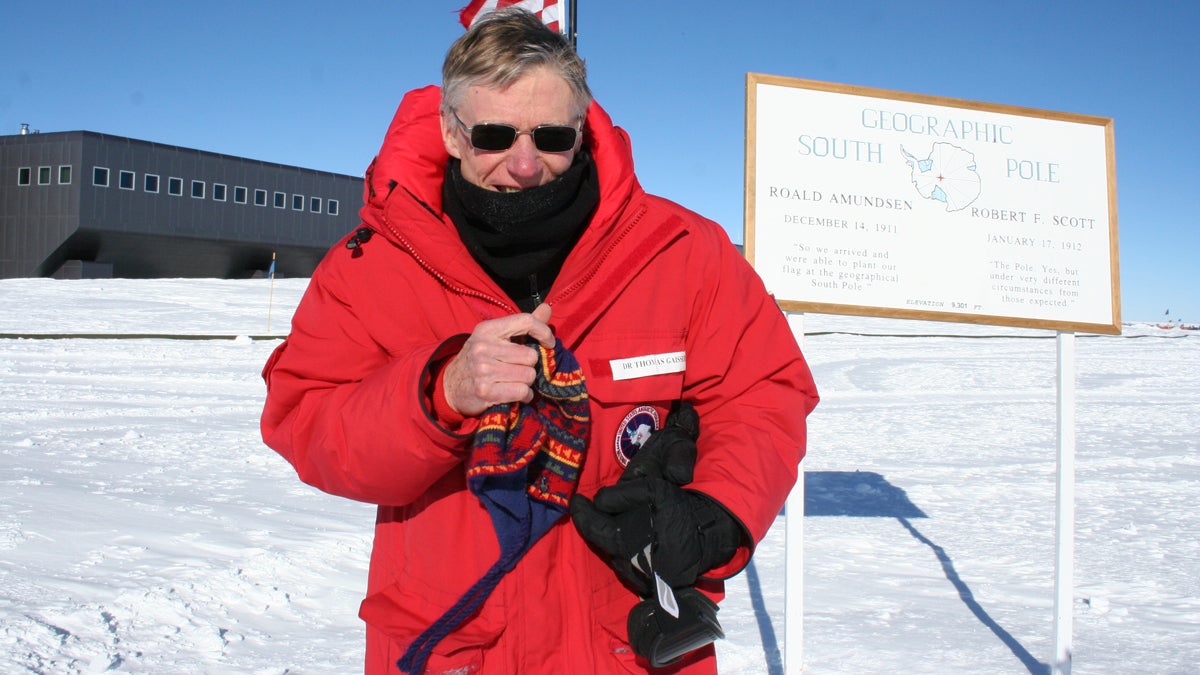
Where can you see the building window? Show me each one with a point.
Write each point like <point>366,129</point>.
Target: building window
<point>331,205</point>
<point>198,189</point>
<point>314,204</point>
<point>280,200</point>
<point>260,197</point>
<point>125,180</point>
<point>64,174</point>
<point>150,183</point>
<point>99,176</point>
<point>239,194</point>
<point>43,175</point>
<point>219,190</point>
<point>297,202</point>
<point>24,175</point>
<point>175,187</point>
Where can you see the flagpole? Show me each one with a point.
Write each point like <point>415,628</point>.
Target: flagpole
<point>271,293</point>
<point>572,25</point>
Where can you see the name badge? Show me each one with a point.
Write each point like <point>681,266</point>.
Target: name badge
<point>645,366</point>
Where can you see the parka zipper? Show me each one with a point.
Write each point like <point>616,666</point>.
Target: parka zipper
<point>509,305</point>
<point>431,270</point>
<point>533,290</point>
<point>579,283</point>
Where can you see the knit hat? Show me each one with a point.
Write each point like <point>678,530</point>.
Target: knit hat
<point>524,467</point>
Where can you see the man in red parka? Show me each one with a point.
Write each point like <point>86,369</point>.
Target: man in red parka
<point>503,213</point>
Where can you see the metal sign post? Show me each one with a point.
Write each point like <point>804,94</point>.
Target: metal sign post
<point>1064,526</point>
<point>793,613</point>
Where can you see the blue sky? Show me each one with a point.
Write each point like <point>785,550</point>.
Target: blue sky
<point>315,84</point>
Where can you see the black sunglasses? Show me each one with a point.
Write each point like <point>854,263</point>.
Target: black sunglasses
<point>495,137</point>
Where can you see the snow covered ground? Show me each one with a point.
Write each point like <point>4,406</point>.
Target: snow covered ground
<point>144,527</point>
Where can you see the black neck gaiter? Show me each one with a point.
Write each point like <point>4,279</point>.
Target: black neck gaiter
<point>522,238</point>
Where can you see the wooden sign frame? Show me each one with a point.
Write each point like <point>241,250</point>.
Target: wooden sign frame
<point>872,202</point>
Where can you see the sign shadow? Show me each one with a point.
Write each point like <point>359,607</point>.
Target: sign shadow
<point>866,494</point>
<point>857,494</point>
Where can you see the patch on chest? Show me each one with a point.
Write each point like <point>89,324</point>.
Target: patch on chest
<point>634,430</point>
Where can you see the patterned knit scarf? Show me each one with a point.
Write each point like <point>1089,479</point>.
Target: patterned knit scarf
<point>524,466</point>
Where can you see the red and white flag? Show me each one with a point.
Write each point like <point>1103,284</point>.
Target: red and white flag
<point>549,11</point>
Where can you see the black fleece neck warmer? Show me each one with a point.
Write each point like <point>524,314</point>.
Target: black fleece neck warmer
<point>521,238</point>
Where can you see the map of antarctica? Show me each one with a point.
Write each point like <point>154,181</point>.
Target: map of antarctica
<point>947,175</point>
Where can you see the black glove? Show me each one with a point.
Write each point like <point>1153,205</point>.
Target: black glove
<point>688,533</point>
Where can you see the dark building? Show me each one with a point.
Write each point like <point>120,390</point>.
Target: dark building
<point>82,204</point>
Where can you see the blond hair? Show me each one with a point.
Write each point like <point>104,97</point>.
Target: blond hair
<point>502,47</point>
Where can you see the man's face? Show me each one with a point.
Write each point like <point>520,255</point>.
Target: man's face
<point>540,97</point>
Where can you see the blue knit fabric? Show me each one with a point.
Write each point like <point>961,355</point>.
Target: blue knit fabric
<point>524,466</point>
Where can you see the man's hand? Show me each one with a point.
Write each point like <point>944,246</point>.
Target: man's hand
<point>492,368</point>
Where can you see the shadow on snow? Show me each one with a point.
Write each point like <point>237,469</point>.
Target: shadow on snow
<point>865,494</point>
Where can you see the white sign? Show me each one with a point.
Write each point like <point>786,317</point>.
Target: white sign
<point>871,202</point>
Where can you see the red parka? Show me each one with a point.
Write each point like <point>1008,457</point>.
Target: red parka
<point>348,400</point>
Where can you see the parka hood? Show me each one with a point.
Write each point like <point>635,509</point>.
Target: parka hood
<point>413,159</point>
<point>403,203</point>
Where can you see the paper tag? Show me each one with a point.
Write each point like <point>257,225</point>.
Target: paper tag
<point>666,596</point>
<point>650,364</point>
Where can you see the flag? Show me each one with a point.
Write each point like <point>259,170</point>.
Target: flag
<point>549,11</point>
<point>271,269</point>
